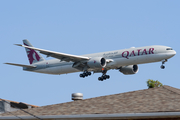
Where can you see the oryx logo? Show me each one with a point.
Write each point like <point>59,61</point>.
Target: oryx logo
<point>32,55</point>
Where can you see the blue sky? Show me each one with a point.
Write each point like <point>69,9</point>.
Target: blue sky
<point>81,27</point>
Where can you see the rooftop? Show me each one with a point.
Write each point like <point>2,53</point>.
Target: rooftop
<point>17,103</point>
<point>153,100</point>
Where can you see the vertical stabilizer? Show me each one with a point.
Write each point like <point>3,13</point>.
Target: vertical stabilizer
<point>33,55</point>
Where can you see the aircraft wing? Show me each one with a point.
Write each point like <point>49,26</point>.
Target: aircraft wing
<point>58,55</point>
<point>28,66</point>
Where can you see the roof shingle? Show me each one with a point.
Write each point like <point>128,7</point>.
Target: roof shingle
<point>162,99</point>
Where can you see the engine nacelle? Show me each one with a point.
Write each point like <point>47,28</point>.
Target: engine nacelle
<point>130,69</point>
<point>97,62</point>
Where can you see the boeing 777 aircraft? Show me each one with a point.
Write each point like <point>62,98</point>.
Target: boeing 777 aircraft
<point>126,60</point>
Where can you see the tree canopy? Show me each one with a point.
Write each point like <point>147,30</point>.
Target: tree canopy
<point>152,83</point>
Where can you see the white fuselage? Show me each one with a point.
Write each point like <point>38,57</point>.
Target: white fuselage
<point>131,56</point>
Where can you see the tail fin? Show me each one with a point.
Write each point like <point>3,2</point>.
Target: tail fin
<point>33,55</point>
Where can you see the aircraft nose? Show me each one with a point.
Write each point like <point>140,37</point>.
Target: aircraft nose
<point>174,52</point>
<point>171,53</point>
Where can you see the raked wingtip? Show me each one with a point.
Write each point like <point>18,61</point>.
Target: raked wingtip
<point>18,44</point>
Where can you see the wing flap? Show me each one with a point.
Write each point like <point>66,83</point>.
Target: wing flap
<point>58,55</point>
<point>21,65</point>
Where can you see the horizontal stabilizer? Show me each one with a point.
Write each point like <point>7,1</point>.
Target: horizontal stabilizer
<point>27,66</point>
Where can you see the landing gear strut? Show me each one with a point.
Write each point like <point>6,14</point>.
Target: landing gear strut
<point>104,76</point>
<point>163,62</point>
<point>85,74</point>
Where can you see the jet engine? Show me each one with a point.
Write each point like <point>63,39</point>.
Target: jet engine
<point>130,69</point>
<point>97,62</point>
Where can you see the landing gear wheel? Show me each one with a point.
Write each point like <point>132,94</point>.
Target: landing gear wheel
<point>89,73</point>
<point>85,74</point>
<point>104,77</point>
<point>100,78</point>
<point>82,75</point>
<point>162,66</point>
<point>107,76</point>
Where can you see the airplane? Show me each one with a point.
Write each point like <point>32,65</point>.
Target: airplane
<point>126,60</point>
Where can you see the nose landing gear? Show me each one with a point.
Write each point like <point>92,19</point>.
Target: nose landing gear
<point>163,62</point>
<point>162,66</point>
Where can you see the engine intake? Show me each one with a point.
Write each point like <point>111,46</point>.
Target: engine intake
<point>130,69</point>
<point>97,62</point>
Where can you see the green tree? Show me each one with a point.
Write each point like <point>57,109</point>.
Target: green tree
<point>152,83</point>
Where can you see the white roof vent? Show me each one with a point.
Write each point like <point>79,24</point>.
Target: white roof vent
<point>77,96</point>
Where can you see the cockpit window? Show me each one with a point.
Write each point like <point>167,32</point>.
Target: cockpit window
<point>169,49</point>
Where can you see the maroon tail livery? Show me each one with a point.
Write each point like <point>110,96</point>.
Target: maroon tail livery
<point>33,55</point>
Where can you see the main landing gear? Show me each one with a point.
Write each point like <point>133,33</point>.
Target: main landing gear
<point>163,62</point>
<point>85,74</point>
<point>104,76</point>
